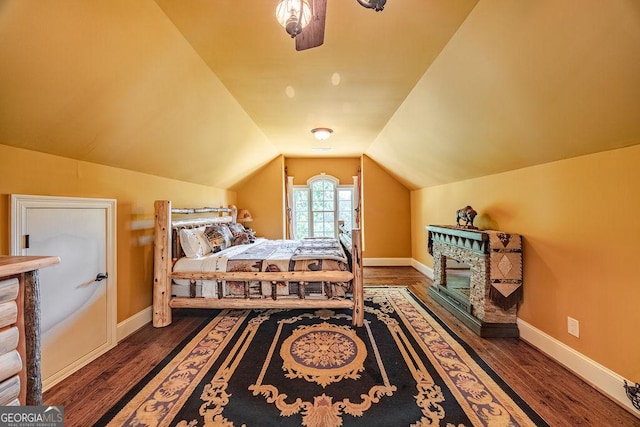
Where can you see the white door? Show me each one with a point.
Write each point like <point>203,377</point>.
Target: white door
<point>78,296</point>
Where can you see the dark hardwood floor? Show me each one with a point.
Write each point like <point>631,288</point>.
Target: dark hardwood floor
<point>555,393</point>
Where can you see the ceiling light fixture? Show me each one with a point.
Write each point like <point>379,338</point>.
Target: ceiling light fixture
<point>322,134</point>
<point>293,15</point>
<point>306,18</point>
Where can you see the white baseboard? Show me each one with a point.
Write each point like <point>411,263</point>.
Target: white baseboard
<point>386,262</point>
<point>133,323</point>
<point>427,271</point>
<point>600,377</point>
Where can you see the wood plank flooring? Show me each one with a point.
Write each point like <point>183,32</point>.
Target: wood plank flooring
<point>555,393</point>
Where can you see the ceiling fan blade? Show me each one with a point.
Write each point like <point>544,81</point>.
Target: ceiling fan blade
<point>313,34</point>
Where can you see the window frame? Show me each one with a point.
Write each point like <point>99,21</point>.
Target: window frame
<point>337,187</point>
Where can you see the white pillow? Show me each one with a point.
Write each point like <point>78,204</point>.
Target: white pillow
<point>194,243</point>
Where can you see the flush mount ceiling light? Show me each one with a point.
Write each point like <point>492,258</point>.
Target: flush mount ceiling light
<point>322,134</point>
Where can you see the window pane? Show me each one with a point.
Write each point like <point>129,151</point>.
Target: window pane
<point>301,231</point>
<point>345,207</point>
<point>328,218</point>
<point>300,213</point>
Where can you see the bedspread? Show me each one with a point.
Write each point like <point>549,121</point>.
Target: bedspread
<point>315,254</point>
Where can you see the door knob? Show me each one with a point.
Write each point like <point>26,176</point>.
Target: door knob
<point>101,276</point>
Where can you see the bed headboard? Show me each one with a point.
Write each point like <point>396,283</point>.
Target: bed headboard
<point>225,216</point>
<point>232,211</point>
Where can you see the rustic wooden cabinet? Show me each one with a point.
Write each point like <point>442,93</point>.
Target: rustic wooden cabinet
<point>20,380</point>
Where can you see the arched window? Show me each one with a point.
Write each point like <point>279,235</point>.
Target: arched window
<point>318,207</point>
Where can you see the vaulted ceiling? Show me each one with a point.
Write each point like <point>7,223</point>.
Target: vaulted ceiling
<point>208,91</point>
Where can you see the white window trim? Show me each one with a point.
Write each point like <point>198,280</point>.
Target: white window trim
<point>307,188</point>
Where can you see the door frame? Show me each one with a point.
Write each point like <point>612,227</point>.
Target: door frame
<point>19,205</point>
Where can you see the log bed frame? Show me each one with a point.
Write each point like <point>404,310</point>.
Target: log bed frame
<point>163,274</point>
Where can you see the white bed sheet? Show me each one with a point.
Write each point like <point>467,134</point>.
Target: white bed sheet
<point>211,262</point>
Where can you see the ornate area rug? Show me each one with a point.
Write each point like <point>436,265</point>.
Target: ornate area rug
<point>305,368</point>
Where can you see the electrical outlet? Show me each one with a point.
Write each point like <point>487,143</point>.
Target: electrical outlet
<point>573,326</point>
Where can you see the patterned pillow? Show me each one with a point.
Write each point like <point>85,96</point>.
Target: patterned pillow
<point>193,242</point>
<point>251,234</point>
<point>241,238</point>
<point>236,228</point>
<point>228,235</point>
<point>218,236</point>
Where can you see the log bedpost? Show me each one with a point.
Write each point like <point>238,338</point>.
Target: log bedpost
<point>162,264</point>
<point>358,282</point>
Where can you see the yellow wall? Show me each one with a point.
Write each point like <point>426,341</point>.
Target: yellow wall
<point>263,195</point>
<point>29,172</point>
<point>386,217</point>
<point>579,221</point>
